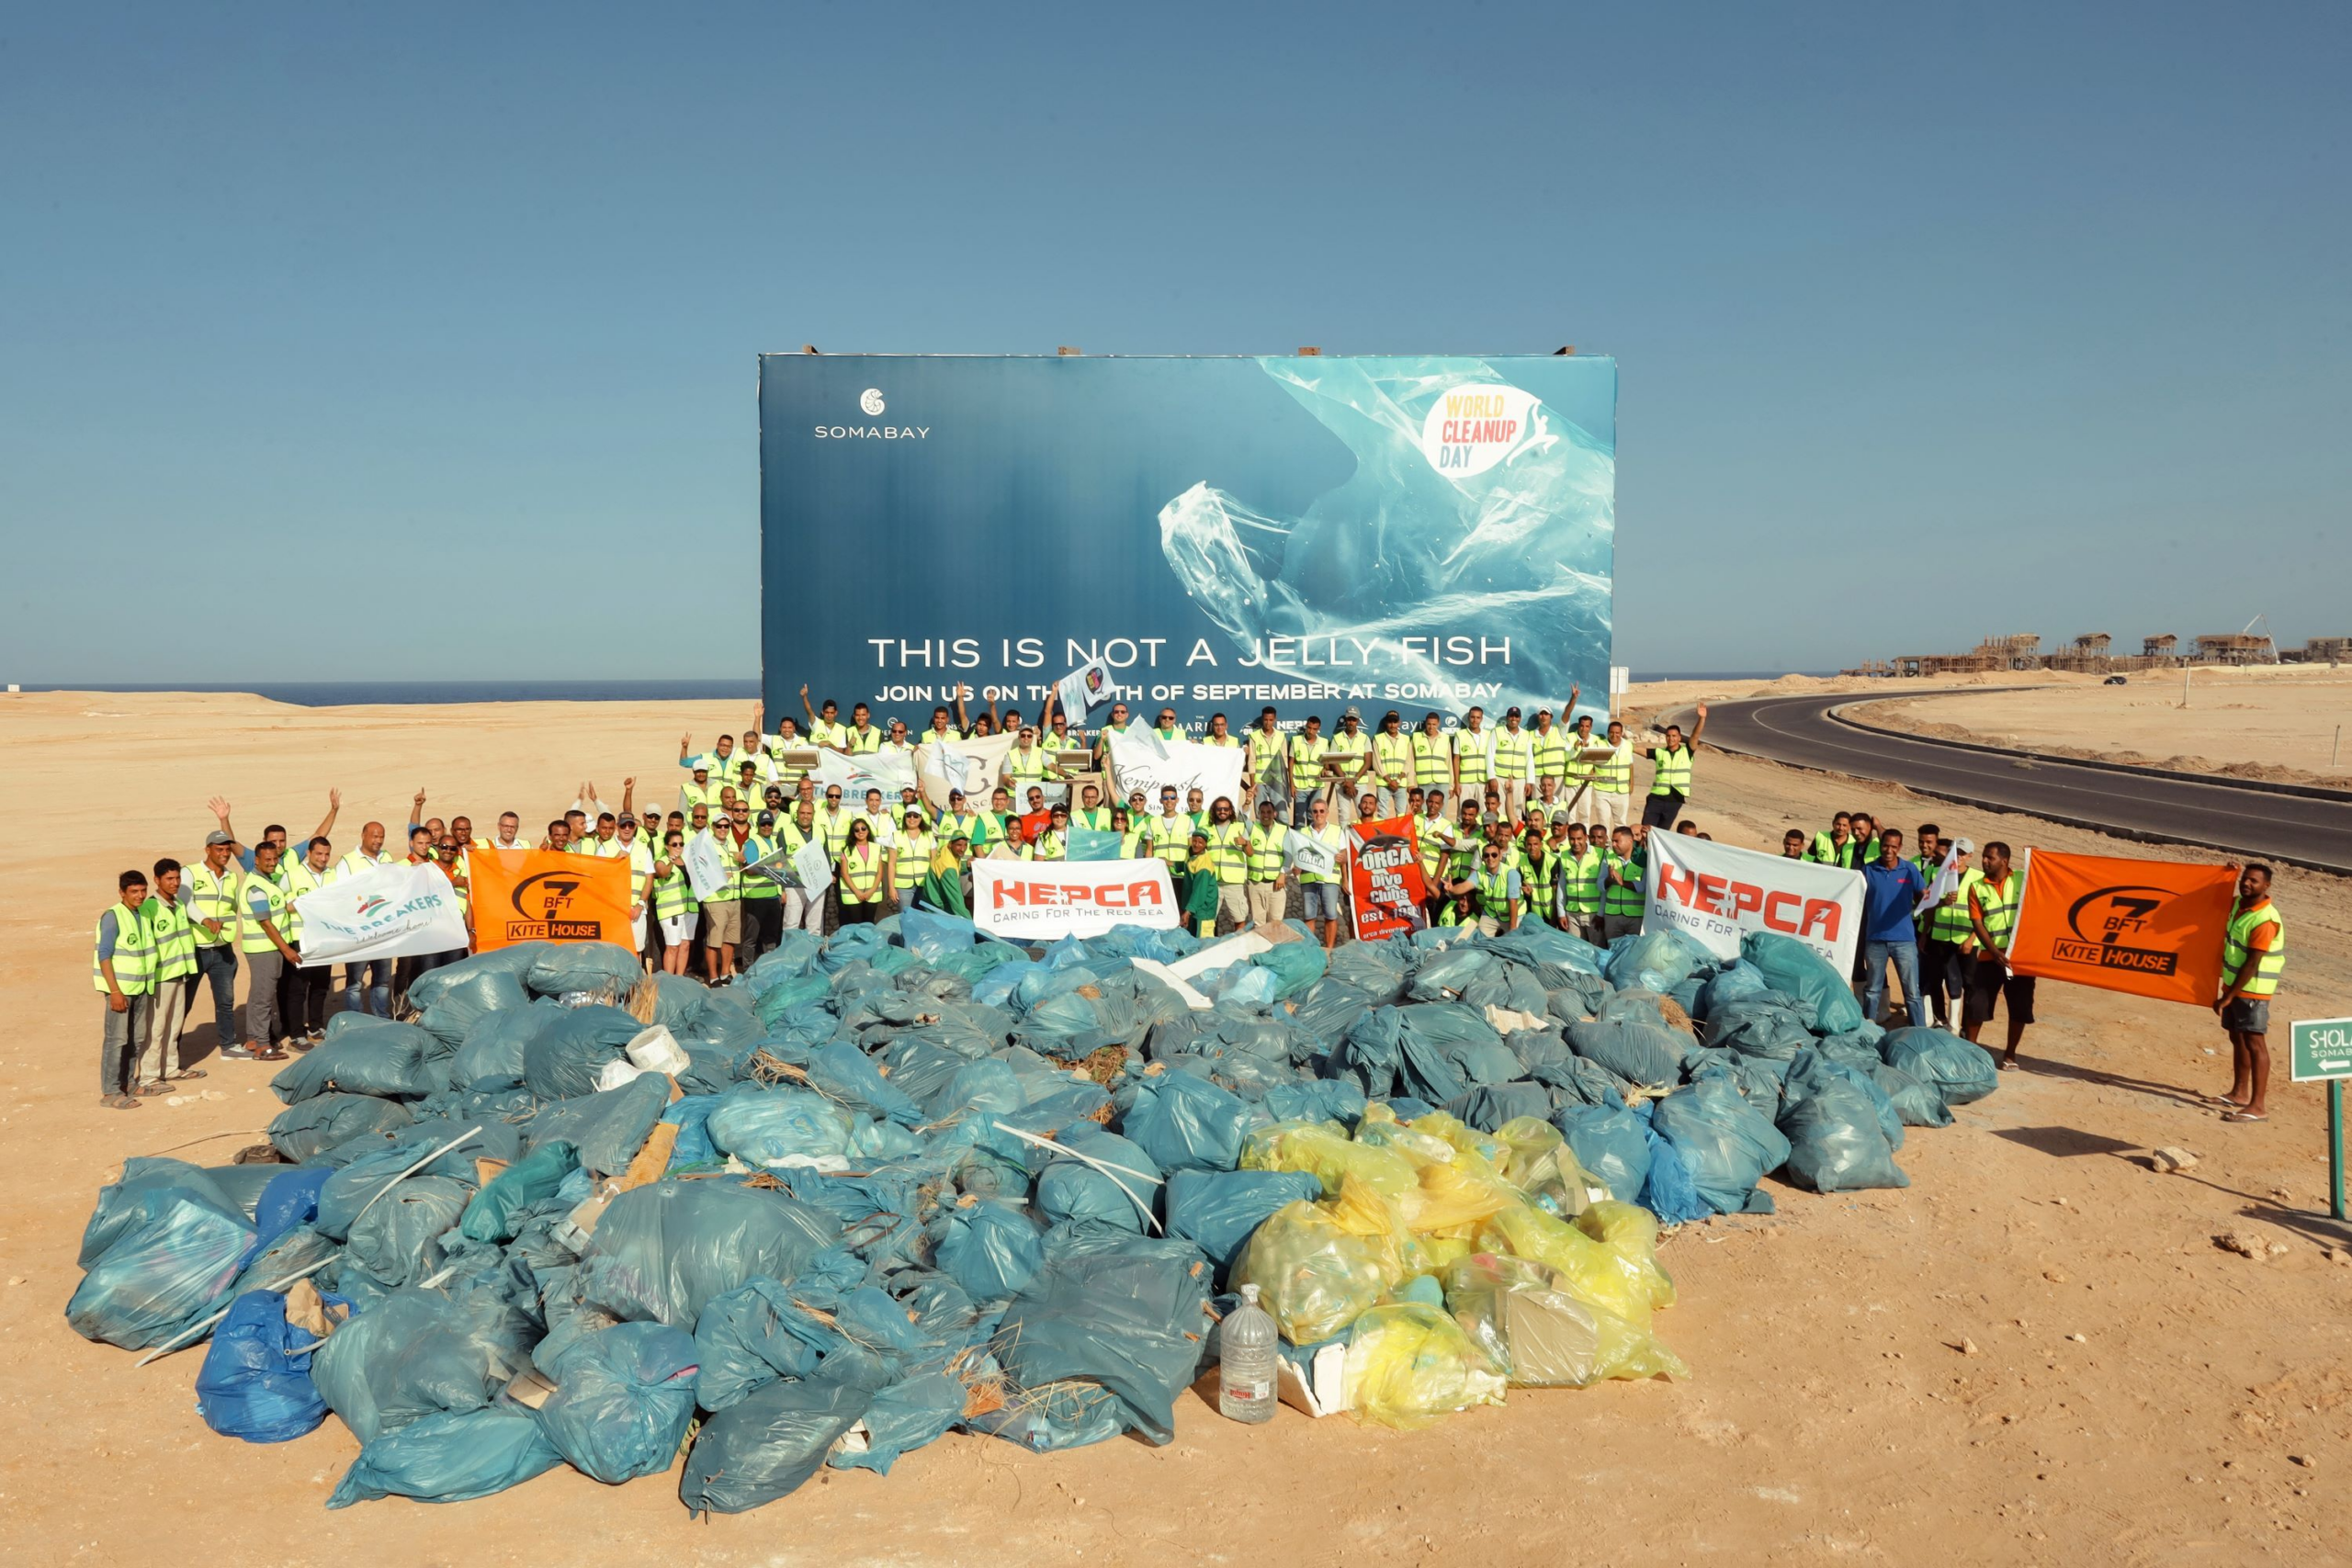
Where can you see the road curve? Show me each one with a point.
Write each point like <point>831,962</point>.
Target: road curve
<point>2306,830</point>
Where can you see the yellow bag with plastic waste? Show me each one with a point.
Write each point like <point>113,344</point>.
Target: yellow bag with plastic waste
<point>1409,1363</point>
<point>1539,1336</point>
<point>1454,1199</point>
<point>1320,1147</point>
<point>1630,1232</point>
<point>1540,1163</point>
<point>1319,1267</point>
<point>1409,1142</point>
<point>1595,1270</point>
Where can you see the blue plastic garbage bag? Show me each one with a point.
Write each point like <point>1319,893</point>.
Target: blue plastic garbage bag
<point>1837,1131</point>
<point>1314,1099</point>
<point>416,1353</point>
<point>451,1015</point>
<point>327,1122</point>
<point>992,1249</point>
<point>1668,1190</point>
<point>848,1076</point>
<point>1189,1123</point>
<point>1961,1071</point>
<point>597,967</point>
<point>764,1330</point>
<point>765,1445</point>
<point>495,1211</point>
<point>1125,1312</point>
<point>903,1417</point>
<point>604,1129</point>
<point>449,1457</point>
<point>663,1250</point>
<point>1758,1026</point>
<point>1918,1104</point>
<point>1636,1051</point>
<point>1611,1142</point>
<point>255,1380</point>
<point>767,1126</point>
<point>1822,998</point>
<point>171,1256</point>
<point>291,1199</point>
<point>1728,1143</point>
<point>514,959</point>
<point>376,1056</point>
<point>931,934</point>
<point>622,1401</point>
<point>1217,1210</point>
<point>564,1056</point>
<point>1070,1189</point>
<point>397,1240</point>
<point>1657,961</point>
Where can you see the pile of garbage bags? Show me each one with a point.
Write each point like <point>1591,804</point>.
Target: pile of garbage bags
<point>912,1179</point>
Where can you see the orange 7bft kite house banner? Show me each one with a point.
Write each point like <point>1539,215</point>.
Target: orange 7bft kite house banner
<point>2152,928</point>
<point>544,896</point>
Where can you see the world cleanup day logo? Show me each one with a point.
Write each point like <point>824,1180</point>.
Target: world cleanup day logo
<point>1471,429</point>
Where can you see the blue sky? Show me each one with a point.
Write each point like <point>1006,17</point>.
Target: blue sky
<point>375,342</point>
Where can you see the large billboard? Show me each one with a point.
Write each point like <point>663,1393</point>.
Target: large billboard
<point>1418,533</point>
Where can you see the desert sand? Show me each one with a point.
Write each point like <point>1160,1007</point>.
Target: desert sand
<point>2036,1353</point>
<point>2286,725</point>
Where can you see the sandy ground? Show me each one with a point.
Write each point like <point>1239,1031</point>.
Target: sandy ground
<point>2133,1394</point>
<point>2283,725</point>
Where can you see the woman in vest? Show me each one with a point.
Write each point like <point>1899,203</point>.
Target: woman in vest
<point>864,876</point>
<point>910,856</point>
<point>673,903</point>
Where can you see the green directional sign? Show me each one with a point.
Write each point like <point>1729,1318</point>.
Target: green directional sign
<point>2321,1049</point>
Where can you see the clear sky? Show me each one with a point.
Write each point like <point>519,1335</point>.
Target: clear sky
<point>408,342</point>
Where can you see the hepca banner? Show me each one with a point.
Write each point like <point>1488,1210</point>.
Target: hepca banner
<point>1044,900</point>
<point>548,896</point>
<point>1386,879</point>
<point>386,911</point>
<point>2148,927</point>
<point>1715,894</point>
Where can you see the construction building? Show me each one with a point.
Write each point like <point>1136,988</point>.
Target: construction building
<point>2235,647</point>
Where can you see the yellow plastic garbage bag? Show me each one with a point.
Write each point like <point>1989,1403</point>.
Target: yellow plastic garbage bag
<point>1454,1200</point>
<point>1411,1143</point>
<point>1331,1155</point>
<point>1589,1268</point>
<point>1464,1138</point>
<point>1525,1141</point>
<point>1409,1363</point>
<point>1630,1232</point>
<point>1316,1273</point>
<point>1541,1337</point>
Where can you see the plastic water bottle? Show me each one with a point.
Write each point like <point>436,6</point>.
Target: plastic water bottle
<point>1245,1360</point>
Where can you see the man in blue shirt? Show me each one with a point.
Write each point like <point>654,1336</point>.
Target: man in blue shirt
<point>1891,888</point>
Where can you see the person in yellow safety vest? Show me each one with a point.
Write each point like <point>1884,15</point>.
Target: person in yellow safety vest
<point>673,903</point>
<point>1266,881</point>
<point>1575,879</point>
<point>212,894</point>
<point>1435,835</point>
<point>2254,954</point>
<point>1474,762</point>
<point>1536,871</point>
<point>123,966</point>
<point>747,782</point>
<point>722,906</point>
<point>1454,910</point>
<point>834,820</point>
<point>167,914</point>
<point>1993,916</point>
<point>1171,831</point>
<point>801,909</point>
<point>942,728</point>
<point>1135,842</point>
<point>1392,764</point>
<point>1262,773</point>
<point>1514,764</point>
<point>1053,842</point>
<point>911,854</point>
<point>1835,845</point>
<point>865,875</point>
<point>1469,832</point>
<point>636,845</point>
<point>1228,851</point>
<point>1670,781</point>
<point>1613,780</point>
<point>1306,752</point>
<point>1091,812</point>
<point>1550,749</point>
<point>1346,761</point>
<point>1622,904</point>
<point>1322,892</point>
<point>861,739</point>
<point>367,985</point>
<point>825,728</point>
<point>759,900</point>
<point>997,822</point>
<point>1433,755</point>
<point>303,992</point>
<point>1219,734</point>
<point>1947,937</point>
<point>261,913</point>
<point>959,821</point>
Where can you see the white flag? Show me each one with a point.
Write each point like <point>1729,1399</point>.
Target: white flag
<point>888,772</point>
<point>971,766</point>
<point>386,911</point>
<point>1140,759</point>
<point>1086,688</point>
<point>1310,856</point>
<point>707,867</point>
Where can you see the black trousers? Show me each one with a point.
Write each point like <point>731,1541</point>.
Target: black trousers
<point>302,998</point>
<point>1664,810</point>
<point>1944,973</point>
<point>762,923</point>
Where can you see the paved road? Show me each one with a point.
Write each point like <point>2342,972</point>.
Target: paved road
<point>2299,829</point>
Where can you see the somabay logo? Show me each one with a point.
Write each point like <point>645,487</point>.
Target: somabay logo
<point>1471,429</point>
<point>870,404</point>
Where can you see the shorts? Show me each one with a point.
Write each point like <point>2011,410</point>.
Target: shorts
<point>678,931</point>
<point>1990,981</point>
<point>2248,1015</point>
<point>722,923</point>
<point>1233,902</point>
<point>1322,900</point>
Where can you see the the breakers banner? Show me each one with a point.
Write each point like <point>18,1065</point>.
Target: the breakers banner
<point>1221,533</point>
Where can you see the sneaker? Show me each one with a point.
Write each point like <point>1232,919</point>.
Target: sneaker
<point>238,1053</point>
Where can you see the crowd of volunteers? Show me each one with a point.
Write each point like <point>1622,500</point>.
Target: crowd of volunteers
<point>1515,822</point>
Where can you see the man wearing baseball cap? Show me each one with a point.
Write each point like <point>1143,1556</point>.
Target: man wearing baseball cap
<point>1514,754</point>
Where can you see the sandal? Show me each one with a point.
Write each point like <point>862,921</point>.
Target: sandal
<point>119,1102</point>
<point>2244,1116</point>
<point>190,1073</point>
<point>268,1054</point>
<point>149,1091</point>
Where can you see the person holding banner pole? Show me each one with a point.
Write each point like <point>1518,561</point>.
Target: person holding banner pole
<point>2254,954</point>
<point>303,992</point>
